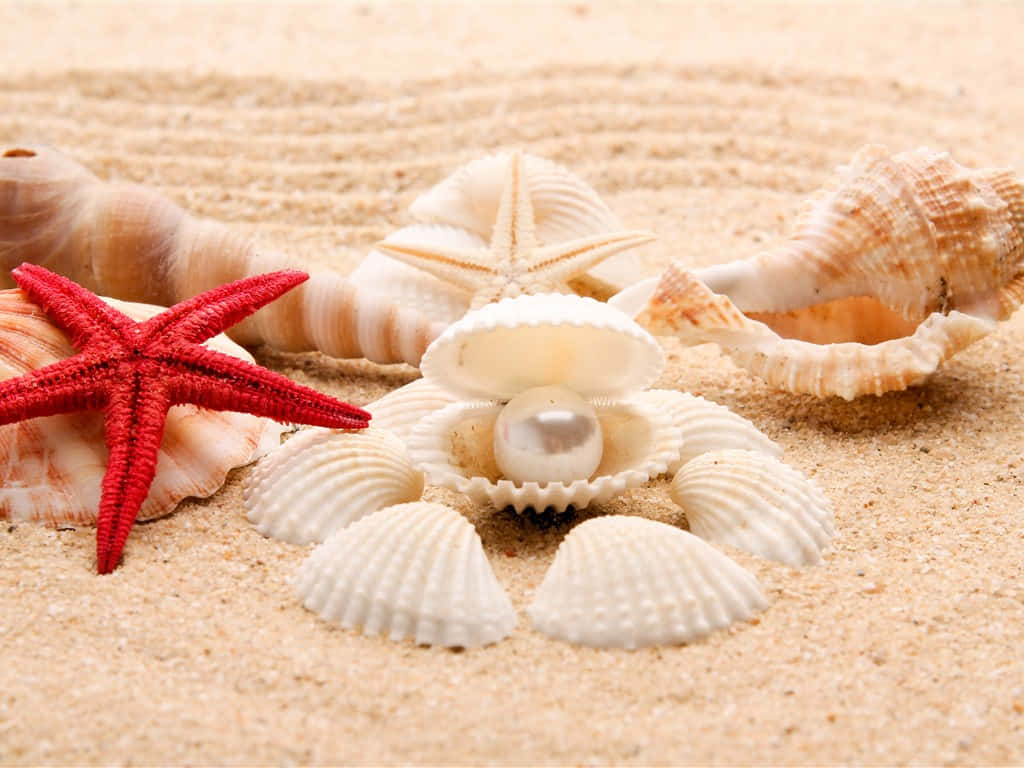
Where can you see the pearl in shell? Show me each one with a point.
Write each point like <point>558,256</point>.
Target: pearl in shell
<point>547,434</point>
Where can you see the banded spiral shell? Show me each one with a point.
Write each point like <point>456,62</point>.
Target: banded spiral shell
<point>413,571</point>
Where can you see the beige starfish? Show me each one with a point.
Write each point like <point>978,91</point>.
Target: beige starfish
<point>513,263</point>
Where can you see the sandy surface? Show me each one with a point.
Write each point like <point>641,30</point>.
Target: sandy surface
<point>312,128</point>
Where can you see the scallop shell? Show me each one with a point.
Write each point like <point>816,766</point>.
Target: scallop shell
<point>411,571</point>
<point>515,344</point>
<point>565,207</point>
<point>756,503</point>
<point>400,410</point>
<point>627,582</point>
<point>897,265</point>
<point>323,480</point>
<point>52,467</point>
<point>455,448</point>
<point>706,426</point>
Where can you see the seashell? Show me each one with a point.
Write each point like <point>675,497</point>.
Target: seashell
<point>706,426</point>
<point>400,410</point>
<point>455,449</point>
<point>565,208</point>
<point>412,571</point>
<point>52,468</point>
<point>628,582</point>
<point>754,502</point>
<point>505,348</point>
<point>323,480</point>
<point>127,241</point>
<point>897,265</point>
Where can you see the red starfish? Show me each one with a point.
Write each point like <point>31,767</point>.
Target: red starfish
<point>135,372</point>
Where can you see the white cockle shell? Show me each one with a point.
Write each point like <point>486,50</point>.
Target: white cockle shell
<point>454,447</point>
<point>409,571</point>
<point>399,411</point>
<point>899,263</point>
<point>754,502</point>
<point>324,479</point>
<point>546,339</point>
<point>52,467</point>
<point>628,582</point>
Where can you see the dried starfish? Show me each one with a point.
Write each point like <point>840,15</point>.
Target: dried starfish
<point>514,264</point>
<point>135,372</point>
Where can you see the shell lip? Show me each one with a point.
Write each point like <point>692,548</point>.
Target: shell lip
<point>529,341</point>
<point>431,447</point>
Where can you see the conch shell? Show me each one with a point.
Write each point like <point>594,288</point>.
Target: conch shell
<point>51,468</point>
<point>129,242</point>
<point>897,265</point>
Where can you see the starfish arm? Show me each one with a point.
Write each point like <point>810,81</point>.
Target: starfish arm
<point>80,313</point>
<point>209,313</point>
<point>561,262</point>
<point>134,418</point>
<point>515,228</point>
<point>75,384</point>
<point>467,268</point>
<point>210,379</point>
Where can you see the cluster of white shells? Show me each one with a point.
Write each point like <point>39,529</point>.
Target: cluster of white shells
<point>538,401</point>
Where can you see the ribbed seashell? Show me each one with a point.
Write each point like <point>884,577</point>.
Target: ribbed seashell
<point>628,582</point>
<point>455,449</point>
<point>129,242</point>
<point>399,411</point>
<point>52,468</point>
<point>409,571</point>
<point>899,263</point>
<point>755,503</point>
<point>324,479</point>
<point>565,207</point>
<point>706,426</point>
<point>515,344</point>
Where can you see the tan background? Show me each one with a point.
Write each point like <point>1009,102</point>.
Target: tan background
<point>313,127</point>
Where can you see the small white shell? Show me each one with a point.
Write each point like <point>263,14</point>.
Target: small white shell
<point>627,582</point>
<point>756,503</point>
<point>455,448</point>
<point>706,426</point>
<point>515,344</point>
<point>323,480</point>
<point>398,411</point>
<point>412,571</point>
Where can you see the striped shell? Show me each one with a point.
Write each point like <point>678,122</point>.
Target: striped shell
<point>755,503</point>
<point>898,264</point>
<point>323,480</point>
<point>409,571</point>
<point>628,582</point>
<point>52,467</point>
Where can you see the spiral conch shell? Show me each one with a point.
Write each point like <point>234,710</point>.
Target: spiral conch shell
<point>51,468</point>
<point>129,242</point>
<point>900,263</point>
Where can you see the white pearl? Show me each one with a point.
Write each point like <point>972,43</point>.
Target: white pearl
<point>547,434</point>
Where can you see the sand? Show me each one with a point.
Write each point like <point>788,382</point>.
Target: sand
<point>312,127</point>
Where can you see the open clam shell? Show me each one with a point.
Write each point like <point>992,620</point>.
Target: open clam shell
<point>515,344</point>
<point>454,447</point>
<point>628,582</point>
<point>754,502</point>
<point>53,467</point>
<point>409,571</point>
<point>323,480</point>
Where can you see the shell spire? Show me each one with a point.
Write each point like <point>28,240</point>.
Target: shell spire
<point>131,243</point>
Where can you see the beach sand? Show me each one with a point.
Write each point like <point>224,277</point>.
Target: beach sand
<point>311,128</point>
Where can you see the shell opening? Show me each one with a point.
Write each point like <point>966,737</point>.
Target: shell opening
<point>858,319</point>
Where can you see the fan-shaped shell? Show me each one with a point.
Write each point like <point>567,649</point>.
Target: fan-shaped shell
<point>454,447</point>
<point>899,263</point>
<point>400,410</point>
<point>323,480</point>
<point>706,426</point>
<point>411,571</point>
<point>515,344</point>
<point>565,208</point>
<point>627,582</point>
<point>51,468</point>
<point>756,503</point>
